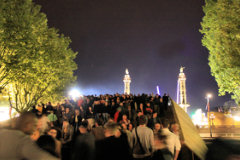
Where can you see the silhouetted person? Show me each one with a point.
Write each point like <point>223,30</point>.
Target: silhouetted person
<point>114,146</point>
<point>84,148</point>
<point>47,143</point>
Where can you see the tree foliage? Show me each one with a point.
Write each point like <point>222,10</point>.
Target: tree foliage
<point>221,36</point>
<point>39,63</point>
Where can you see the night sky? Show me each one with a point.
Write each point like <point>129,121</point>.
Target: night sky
<point>152,38</point>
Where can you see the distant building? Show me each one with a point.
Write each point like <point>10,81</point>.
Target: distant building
<point>127,81</point>
<point>181,91</point>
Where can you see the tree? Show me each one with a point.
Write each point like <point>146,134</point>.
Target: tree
<point>4,66</point>
<point>221,36</point>
<point>229,104</point>
<point>42,64</point>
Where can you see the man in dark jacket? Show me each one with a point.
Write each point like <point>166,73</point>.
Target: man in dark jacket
<point>114,146</point>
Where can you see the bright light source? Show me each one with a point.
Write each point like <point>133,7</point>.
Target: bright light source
<point>4,113</point>
<point>209,95</point>
<point>158,91</point>
<point>236,118</point>
<point>74,93</point>
<point>199,118</point>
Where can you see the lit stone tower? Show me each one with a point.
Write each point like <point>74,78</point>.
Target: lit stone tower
<point>181,90</point>
<point>127,81</point>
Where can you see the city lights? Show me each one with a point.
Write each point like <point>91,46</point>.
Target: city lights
<point>199,118</point>
<point>236,118</point>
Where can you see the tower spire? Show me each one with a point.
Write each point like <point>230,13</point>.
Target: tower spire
<point>181,90</point>
<point>127,81</point>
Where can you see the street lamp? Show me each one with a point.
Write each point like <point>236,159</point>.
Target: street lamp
<point>208,108</point>
<point>209,95</point>
<point>212,117</point>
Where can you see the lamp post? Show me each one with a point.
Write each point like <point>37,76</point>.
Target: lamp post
<point>212,117</point>
<point>208,108</point>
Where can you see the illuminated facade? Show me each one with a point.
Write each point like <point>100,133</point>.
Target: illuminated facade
<point>127,81</point>
<point>181,91</point>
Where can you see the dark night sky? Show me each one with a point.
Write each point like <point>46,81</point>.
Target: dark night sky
<point>152,38</point>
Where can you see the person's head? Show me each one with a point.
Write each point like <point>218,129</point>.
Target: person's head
<point>99,122</point>
<point>157,126</point>
<point>65,127</point>
<point>47,143</point>
<point>83,128</point>
<point>148,104</point>
<point>161,100</point>
<point>111,129</point>
<point>119,109</point>
<point>53,132</point>
<point>90,108</point>
<point>113,103</point>
<point>67,110</point>
<point>139,113</point>
<point>142,120</point>
<point>62,108</point>
<point>124,117</point>
<point>165,123</point>
<point>43,123</point>
<point>87,100</point>
<point>77,112</point>
<point>174,127</point>
<point>27,123</point>
<point>124,126</point>
<point>65,123</point>
<point>130,127</point>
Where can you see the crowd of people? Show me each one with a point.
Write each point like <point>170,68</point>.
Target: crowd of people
<point>99,127</point>
<point>105,127</point>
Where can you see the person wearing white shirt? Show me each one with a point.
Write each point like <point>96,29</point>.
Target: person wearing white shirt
<point>172,140</point>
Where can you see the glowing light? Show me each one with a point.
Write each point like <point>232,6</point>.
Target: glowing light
<point>158,91</point>
<point>199,118</point>
<point>236,118</point>
<point>75,93</point>
<point>4,113</point>
<point>177,92</point>
<point>209,95</point>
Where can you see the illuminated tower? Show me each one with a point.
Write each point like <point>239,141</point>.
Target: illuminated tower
<point>127,81</point>
<point>181,90</point>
